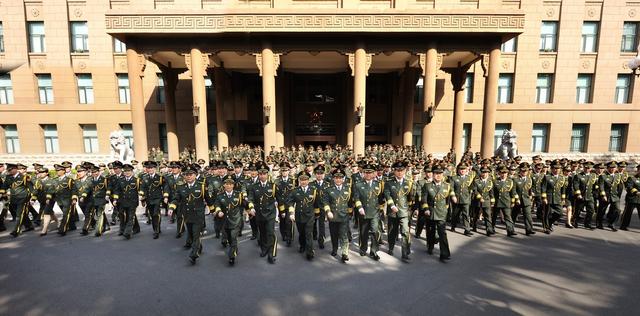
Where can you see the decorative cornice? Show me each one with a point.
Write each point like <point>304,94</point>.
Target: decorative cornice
<point>276,63</point>
<point>335,22</point>
<point>352,62</point>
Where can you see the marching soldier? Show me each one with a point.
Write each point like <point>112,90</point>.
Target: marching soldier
<point>82,189</point>
<point>553,197</point>
<point>173,180</point>
<point>536,188</point>
<point>368,196</point>
<point>584,184</point>
<point>399,194</point>
<point>421,223</point>
<point>304,205</point>
<point>112,182</point>
<point>436,198</point>
<point>126,198</point>
<point>524,183</point>
<point>19,187</point>
<point>320,184</point>
<point>504,192</point>
<point>285,184</point>
<point>231,205</point>
<point>633,198</point>
<point>42,189</point>
<point>609,183</point>
<point>215,187</point>
<point>264,198</point>
<point>336,201</point>
<point>154,191</point>
<point>99,185</point>
<point>483,189</point>
<point>462,186</point>
<point>192,199</point>
<point>62,192</point>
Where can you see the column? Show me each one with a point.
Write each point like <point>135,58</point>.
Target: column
<point>349,112</point>
<point>268,63</point>
<point>136,64</point>
<point>221,87</point>
<point>457,80</point>
<point>197,64</point>
<point>170,78</point>
<point>360,62</point>
<point>407,90</point>
<point>282,85</point>
<point>490,65</point>
<point>429,62</point>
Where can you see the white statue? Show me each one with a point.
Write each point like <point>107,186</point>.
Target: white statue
<point>119,148</point>
<point>509,146</point>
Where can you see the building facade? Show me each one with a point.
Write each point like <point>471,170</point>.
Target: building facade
<point>201,73</point>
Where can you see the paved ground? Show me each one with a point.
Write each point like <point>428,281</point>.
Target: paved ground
<point>571,272</point>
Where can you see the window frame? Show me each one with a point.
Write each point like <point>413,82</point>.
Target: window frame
<point>45,93</point>
<point>626,89</point>
<point>12,143</point>
<point>584,139</point>
<point>51,143</point>
<point>633,38</point>
<point>585,38</point>
<point>544,138</point>
<point>621,139</point>
<point>6,91</point>
<point>508,89</point>
<point>89,97</point>
<point>75,36</point>
<point>40,39</point>
<point>124,92</point>
<point>548,87</point>
<point>552,37</point>
<point>588,89</point>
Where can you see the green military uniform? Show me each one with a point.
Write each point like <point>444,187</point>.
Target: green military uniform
<point>483,190</point>
<point>319,225</point>
<point>368,198</point>
<point>126,196</point>
<point>82,189</point>
<point>584,184</point>
<point>99,196</point>
<point>609,183</point>
<point>421,184</point>
<point>336,201</point>
<point>525,201</point>
<point>20,188</point>
<point>504,192</point>
<point>232,205</point>
<point>633,199</point>
<point>554,197</point>
<point>265,198</point>
<point>286,186</point>
<point>62,193</point>
<point>435,201</point>
<point>153,190</point>
<point>173,181</point>
<point>304,204</point>
<point>462,185</point>
<point>399,193</point>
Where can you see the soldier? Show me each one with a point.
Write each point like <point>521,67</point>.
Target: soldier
<point>553,197</point>
<point>63,194</point>
<point>126,198</point>
<point>537,177</point>
<point>264,198</point>
<point>249,181</point>
<point>524,183</point>
<point>82,189</point>
<point>42,188</point>
<point>19,188</point>
<point>336,202</point>
<point>285,184</point>
<point>421,186</point>
<point>483,190</point>
<point>172,179</point>
<point>632,186</point>
<point>304,206</point>
<point>399,194</point>
<point>215,187</point>
<point>112,182</point>
<point>368,196</point>
<point>504,192</point>
<point>609,183</point>
<point>436,198</point>
<point>154,190</point>
<point>462,186</point>
<point>231,205</point>
<point>320,184</point>
<point>583,186</point>
<point>99,185</point>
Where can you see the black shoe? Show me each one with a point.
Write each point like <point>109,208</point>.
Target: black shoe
<point>225,244</point>
<point>546,231</point>
<point>14,234</point>
<point>217,235</point>
<point>381,242</point>
<point>390,252</point>
<point>186,246</point>
<point>288,243</point>
<point>97,234</point>
<point>511,234</point>
<point>624,228</point>
<point>405,257</point>
<point>452,229</point>
<point>178,236</point>
<point>254,237</point>
<point>444,259</point>
<point>84,232</point>
<point>156,235</point>
<point>345,258</point>
<point>192,260</point>
<point>468,233</point>
<point>334,253</point>
<point>429,251</point>
<point>43,234</point>
<point>374,256</point>
<point>120,233</point>
<point>321,245</point>
<point>240,234</point>
<point>127,236</point>
<point>271,260</point>
<point>309,257</point>
<point>599,226</point>
<point>263,253</point>
<point>569,226</point>
<point>613,229</point>
<point>363,253</point>
<point>73,228</point>
<point>148,222</point>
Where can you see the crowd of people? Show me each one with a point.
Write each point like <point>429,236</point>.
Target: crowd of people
<point>303,190</point>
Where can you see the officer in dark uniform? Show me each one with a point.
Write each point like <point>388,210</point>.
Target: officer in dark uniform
<point>99,185</point>
<point>368,201</point>
<point>112,183</point>
<point>421,223</point>
<point>63,194</point>
<point>19,186</point>
<point>584,184</point>
<point>436,198</point>
<point>82,189</point>
<point>264,198</point>
<point>462,185</point>
<point>336,201</point>
<point>399,192</point>
<point>154,190</point>
<point>321,184</point>
<point>231,205</point>
<point>633,198</point>
<point>286,184</point>
<point>215,187</point>
<point>483,190</point>
<point>42,188</point>
<point>504,192</point>
<point>609,183</point>
<point>173,180</point>
<point>304,205</point>
<point>126,198</point>
<point>524,183</point>
<point>553,197</point>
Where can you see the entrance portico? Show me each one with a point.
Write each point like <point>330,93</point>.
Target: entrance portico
<point>286,83</point>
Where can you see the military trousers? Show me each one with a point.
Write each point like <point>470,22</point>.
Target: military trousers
<point>232,238</point>
<point>421,223</point>
<point>67,214</point>
<point>369,230</point>
<point>101,219</point>
<point>339,232</point>
<point>194,231</point>
<point>267,237</point>
<point>628,211</point>
<point>526,216</point>
<point>487,216</point>
<point>319,228</point>
<point>399,225</point>
<point>460,210</point>
<point>441,227</point>
<point>128,220</point>
<point>589,207</point>
<point>286,229</point>
<point>506,216</point>
<point>552,213</point>
<point>612,214</point>
<point>305,232</point>
<point>153,210</point>
<point>21,209</point>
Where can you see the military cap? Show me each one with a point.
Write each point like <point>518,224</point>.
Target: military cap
<point>237,163</point>
<point>201,161</point>
<point>566,169</point>
<point>117,164</point>
<point>127,167</point>
<point>588,164</point>
<point>81,168</point>
<point>196,167</point>
<point>11,166</point>
<point>503,169</point>
<point>415,171</point>
<point>174,164</point>
<point>58,167</point>
<point>101,165</point>
<point>318,169</point>
<point>252,167</point>
<point>134,162</point>
<point>622,164</point>
<point>599,166</point>
<point>368,168</point>
<point>612,164</point>
<point>338,173</point>
<point>536,157</point>
<point>427,168</point>
<point>463,165</point>
<point>42,170</point>
<point>518,158</point>
<point>37,166</point>
<point>95,168</point>
<point>110,165</point>
<point>556,165</point>
<point>513,167</point>
<point>150,164</point>
<point>437,169</point>
<point>66,164</point>
<point>485,170</point>
<point>262,167</point>
<point>309,162</point>
<point>486,160</point>
<point>303,175</point>
<point>284,165</point>
<point>21,166</point>
<point>399,165</point>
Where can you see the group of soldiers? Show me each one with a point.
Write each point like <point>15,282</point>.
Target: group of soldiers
<point>303,190</point>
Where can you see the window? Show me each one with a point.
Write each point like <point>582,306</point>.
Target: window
<point>51,145</point>
<point>160,90</point>
<point>468,88</point>
<point>629,37</point>
<point>540,138</point>
<point>548,36</point>
<point>123,88</point>
<point>36,37</point>
<point>6,90</point>
<point>510,46</point>
<point>211,95</point>
<point>90,138</point>
<point>543,88</point>
<point>623,89</point>
<point>419,95</point>
<point>417,135</point>
<point>127,132</point>
<point>579,135</point>
<point>1,38</point>
<point>162,131</point>
<point>45,88</point>
<point>590,37</point>
<point>119,47</point>
<point>583,87</point>
<point>466,136</point>
<point>505,88</point>
<point>618,139</point>
<point>499,131</point>
<point>85,88</point>
<point>11,139</point>
<point>79,37</point>
<point>212,130</point>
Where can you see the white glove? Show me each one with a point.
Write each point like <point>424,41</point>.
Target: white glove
<point>330,215</point>
<point>292,218</point>
<point>361,211</point>
<point>394,209</point>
